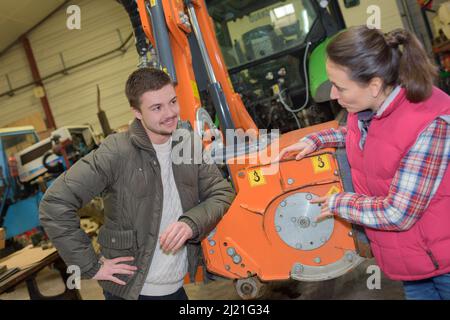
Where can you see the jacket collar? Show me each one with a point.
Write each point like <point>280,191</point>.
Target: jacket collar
<point>139,137</point>
<point>395,98</point>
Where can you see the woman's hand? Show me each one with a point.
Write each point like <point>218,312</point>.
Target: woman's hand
<point>303,149</point>
<point>325,212</point>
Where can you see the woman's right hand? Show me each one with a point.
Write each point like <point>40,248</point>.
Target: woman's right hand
<point>303,148</point>
<point>110,267</point>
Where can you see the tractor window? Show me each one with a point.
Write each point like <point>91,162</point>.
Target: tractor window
<point>250,30</point>
<point>17,142</point>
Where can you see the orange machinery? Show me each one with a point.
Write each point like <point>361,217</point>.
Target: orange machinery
<point>270,232</point>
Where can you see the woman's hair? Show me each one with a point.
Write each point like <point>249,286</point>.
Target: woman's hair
<point>397,58</point>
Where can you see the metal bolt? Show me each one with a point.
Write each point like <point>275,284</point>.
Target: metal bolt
<point>294,219</point>
<point>350,234</point>
<point>290,181</point>
<point>211,234</point>
<point>304,222</point>
<point>283,204</point>
<point>212,243</point>
<point>241,174</point>
<point>227,267</point>
<point>309,196</point>
<point>298,245</point>
<point>278,228</point>
<point>317,260</point>
<point>247,288</point>
<point>336,173</point>
<point>298,268</point>
<point>237,259</point>
<point>349,256</point>
<point>211,251</point>
<point>323,239</point>
<point>231,251</point>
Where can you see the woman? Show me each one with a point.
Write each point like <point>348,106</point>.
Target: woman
<point>398,145</point>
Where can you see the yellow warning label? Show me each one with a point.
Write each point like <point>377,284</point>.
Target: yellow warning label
<point>333,190</point>
<point>195,89</point>
<point>321,163</point>
<point>152,3</point>
<point>256,178</point>
<point>276,89</point>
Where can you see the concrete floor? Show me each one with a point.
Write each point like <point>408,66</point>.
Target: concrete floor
<point>351,286</point>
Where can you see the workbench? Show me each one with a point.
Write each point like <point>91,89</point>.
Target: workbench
<point>29,262</point>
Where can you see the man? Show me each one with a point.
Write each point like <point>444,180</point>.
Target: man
<point>156,212</point>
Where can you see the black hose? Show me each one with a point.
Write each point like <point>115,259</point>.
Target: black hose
<point>56,169</point>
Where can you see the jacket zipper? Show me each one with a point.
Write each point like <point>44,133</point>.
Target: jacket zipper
<point>433,259</point>
<point>141,283</point>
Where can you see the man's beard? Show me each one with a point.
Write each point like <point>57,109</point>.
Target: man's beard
<point>156,131</point>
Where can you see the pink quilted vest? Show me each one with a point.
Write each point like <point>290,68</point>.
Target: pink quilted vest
<point>423,251</point>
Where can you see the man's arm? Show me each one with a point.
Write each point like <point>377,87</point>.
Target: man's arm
<point>73,189</point>
<point>216,196</point>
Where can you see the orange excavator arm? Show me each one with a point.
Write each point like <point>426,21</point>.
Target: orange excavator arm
<point>174,28</point>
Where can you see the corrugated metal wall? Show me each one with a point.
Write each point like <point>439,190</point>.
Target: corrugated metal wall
<point>15,66</point>
<point>73,97</point>
<point>390,15</point>
<point>414,20</point>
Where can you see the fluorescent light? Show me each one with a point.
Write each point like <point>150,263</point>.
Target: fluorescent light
<point>305,21</point>
<point>283,11</point>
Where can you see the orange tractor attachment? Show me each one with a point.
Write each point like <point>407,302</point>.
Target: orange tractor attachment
<point>270,232</point>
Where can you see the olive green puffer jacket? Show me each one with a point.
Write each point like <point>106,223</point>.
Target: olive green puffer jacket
<point>125,170</point>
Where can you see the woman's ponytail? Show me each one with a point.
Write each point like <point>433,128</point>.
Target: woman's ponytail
<point>416,71</point>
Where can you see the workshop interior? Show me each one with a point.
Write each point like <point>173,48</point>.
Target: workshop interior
<point>236,64</point>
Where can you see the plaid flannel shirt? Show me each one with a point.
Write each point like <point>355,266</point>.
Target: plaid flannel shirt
<point>411,189</point>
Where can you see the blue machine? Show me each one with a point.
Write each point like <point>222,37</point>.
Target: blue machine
<point>24,159</point>
<point>18,204</point>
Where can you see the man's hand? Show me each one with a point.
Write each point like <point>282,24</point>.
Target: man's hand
<point>174,237</point>
<point>301,148</point>
<point>110,267</point>
<point>325,212</point>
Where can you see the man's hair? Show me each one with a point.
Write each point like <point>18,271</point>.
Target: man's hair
<point>143,80</point>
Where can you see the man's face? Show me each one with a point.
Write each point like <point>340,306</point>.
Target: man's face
<point>159,111</point>
<point>350,94</point>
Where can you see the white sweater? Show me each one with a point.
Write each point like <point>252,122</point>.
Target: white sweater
<point>167,271</point>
